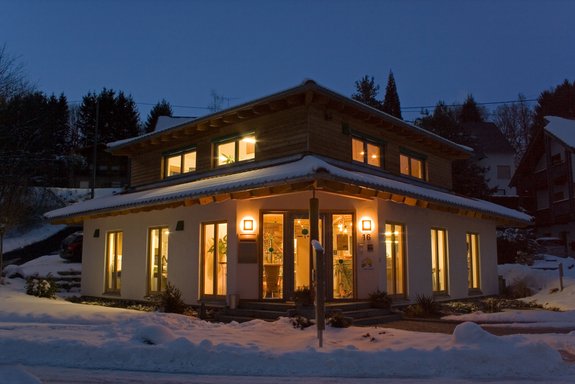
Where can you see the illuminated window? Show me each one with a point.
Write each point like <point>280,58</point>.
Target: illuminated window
<point>113,261</point>
<point>366,152</point>
<point>395,258</point>
<point>158,258</point>
<point>439,260</point>
<point>473,260</point>
<point>238,149</point>
<point>214,259</point>
<point>411,165</point>
<point>179,162</point>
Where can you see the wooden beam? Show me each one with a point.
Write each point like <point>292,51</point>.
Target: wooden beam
<point>222,197</point>
<point>206,200</point>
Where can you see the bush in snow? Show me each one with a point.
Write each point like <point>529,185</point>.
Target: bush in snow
<point>171,300</point>
<point>301,322</point>
<point>41,286</point>
<point>338,320</point>
<point>425,306</point>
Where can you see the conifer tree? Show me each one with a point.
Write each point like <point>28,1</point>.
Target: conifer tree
<point>162,108</point>
<point>470,112</point>
<point>366,92</point>
<point>558,101</point>
<point>391,104</point>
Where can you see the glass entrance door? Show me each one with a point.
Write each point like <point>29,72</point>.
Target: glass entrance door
<point>214,259</point>
<point>343,256</point>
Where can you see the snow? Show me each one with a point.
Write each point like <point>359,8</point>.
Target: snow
<point>306,167</point>
<point>563,129</point>
<point>40,337</point>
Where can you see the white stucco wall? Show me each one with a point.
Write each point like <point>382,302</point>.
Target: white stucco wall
<point>243,279</point>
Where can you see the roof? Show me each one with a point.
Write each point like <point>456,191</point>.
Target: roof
<point>302,94</point>
<point>562,129</point>
<point>488,138</point>
<point>167,122</point>
<point>308,171</point>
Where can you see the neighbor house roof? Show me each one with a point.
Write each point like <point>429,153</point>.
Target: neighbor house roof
<point>303,174</point>
<point>488,138</point>
<point>562,129</point>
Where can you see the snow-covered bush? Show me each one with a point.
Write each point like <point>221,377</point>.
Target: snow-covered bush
<point>516,245</point>
<point>41,286</point>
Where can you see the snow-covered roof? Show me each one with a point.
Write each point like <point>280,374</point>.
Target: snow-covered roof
<point>167,122</point>
<point>304,169</point>
<point>563,129</point>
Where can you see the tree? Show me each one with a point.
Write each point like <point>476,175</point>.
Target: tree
<point>391,104</point>
<point>366,92</point>
<point>470,112</point>
<point>515,122</point>
<point>468,176</point>
<point>558,101</point>
<point>162,108</point>
<point>117,117</point>
<point>12,77</point>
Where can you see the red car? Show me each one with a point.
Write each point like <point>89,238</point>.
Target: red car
<point>71,247</point>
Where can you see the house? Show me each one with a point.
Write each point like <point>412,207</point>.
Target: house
<point>495,154</point>
<point>227,204</point>
<point>545,180</point>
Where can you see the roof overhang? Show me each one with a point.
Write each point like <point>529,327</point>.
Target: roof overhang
<point>307,173</point>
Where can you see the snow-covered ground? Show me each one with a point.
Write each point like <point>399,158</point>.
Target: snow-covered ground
<point>44,339</point>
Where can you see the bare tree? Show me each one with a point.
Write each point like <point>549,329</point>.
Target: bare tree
<point>515,121</point>
<point>12,77</point>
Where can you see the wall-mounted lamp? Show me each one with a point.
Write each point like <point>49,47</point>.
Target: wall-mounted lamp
<point>180,225</point>
<point>366,225</point>
<point>247,225</point>
<point>97,232</point>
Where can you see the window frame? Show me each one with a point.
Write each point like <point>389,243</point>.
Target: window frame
<point>437,252</point>
<point>396,258</point>
<point>113,286</point>
<point>236,139</point>
<point>366,142</point>
<point>410,155</point>
<point>473,261</point>
<point>162,230</point>
<point>181,153</point>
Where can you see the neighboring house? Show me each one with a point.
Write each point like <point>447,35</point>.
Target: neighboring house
<point>545,180</point>
<point>220,206</point>
<point>495,154</point>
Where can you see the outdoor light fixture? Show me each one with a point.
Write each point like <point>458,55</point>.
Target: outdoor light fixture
<point>180,225</point>
<point>97,232</point>
<point>366,225</point>
<point>248,225</point>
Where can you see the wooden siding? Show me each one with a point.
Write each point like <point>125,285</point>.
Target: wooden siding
<point>300,129</point>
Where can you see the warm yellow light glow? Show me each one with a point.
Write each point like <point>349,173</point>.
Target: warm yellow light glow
<point>249,139</point>
<point>248,224</point>
<point>366,224</point>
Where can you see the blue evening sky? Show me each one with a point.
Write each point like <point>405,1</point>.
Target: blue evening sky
<point>183,50</point>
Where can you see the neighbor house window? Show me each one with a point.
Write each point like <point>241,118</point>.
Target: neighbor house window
<point>503,172</point>
<point>158,258</point>
<point>439,260</point>
<point>235,150</point>
<point>114,242</point>
<point>176,163</point>
<point>473,260</point>
<point>365,151</point>
<point>412,165</point>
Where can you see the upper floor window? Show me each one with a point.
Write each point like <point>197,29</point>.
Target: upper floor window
<point>412,165</point>
<point>237,149</point>
<point>366,152</point>
<point>176,163</point>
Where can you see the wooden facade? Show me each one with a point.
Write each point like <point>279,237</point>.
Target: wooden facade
<point>305,120</point>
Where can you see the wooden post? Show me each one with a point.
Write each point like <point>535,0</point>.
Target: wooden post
<point>561,276</point>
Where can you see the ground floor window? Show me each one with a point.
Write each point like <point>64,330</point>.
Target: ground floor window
<point>113,261</point>
<point>214,259</point>
<point>395,258</point>
<point>342,244</point>
<point>473,260</point>
<point>439,260</point>
<point>158,258</point>
<point>273,255</point>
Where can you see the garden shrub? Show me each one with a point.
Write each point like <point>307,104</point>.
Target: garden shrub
<point>380,299</point>
<point>338,320</point>
<point>171,300</point>
<point>41,286</point>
